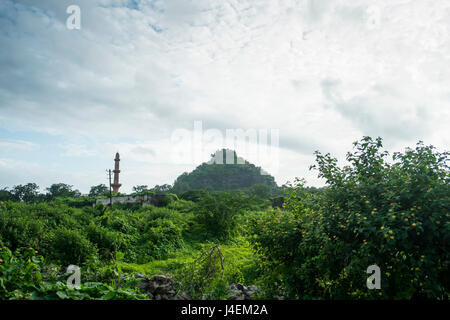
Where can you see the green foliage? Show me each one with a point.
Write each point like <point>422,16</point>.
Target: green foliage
<point>28,193</point>
<point>182,206</point>
<point>17,230</point>
<point>107,241</point>
<point>70,247</point>
<point>205,270</point>
<point>222,177</point>
<point>261,190</point>
<point>19,273</point>
<point>6,195</point>
<point>165,188</point>
<point>140,189</point>
<point>193,195</point>
<point>62,190</point>
<point>161,236</point>
<point>372,212</point>
<point>216,214</point>
<point>318,243</point>
<point>22,278</point>
<point>99,190</point>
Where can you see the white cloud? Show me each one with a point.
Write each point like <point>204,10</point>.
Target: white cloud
<point>19,145</point>
<point>323,72</point>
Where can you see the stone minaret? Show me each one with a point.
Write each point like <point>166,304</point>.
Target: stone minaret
<point>116,185</point>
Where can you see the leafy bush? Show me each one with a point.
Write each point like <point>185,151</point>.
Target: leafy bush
<point>203,273</point>
<point>372,212</point>
<point>160,237</point>
<point>19,273</point>
<point>21,278</point>
<point>108,242</point>
<point>71,247</point>
<point>217,214</point>
<point>18,230</point>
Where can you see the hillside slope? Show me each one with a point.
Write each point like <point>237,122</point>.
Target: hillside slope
<point>221,175</point>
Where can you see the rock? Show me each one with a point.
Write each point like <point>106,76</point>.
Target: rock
<point>240,292</point>
<point>251,290</point>
<point>236,286</point>
<point>237,296</point>
<point>160,287</point>
<point>140,275</point>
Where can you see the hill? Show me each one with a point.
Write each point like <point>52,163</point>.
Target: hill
<point>221,174</point>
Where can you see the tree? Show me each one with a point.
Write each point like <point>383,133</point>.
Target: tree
<point>162,189</point>
<point>28,193</point>
<point>5,195</point>
<point>62,190</point>
<point>217,213</point>
<point>261,190</point>
<point>139,189</point>
<point>375,210</point>
<point>99,190</point>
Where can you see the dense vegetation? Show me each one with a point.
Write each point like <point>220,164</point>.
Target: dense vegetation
<point>392,212</point>
<point>223,175</point>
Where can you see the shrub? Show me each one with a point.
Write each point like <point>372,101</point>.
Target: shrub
<point>70,247</point>
<point>21,278</point>
<point>108,242</point>
<point>217,214</point>
<point>160,237</point>
<point>203,274</point>
<point>372,212</point>
<point>19,273</point>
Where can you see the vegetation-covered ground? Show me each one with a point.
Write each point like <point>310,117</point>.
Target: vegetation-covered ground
<point>392,211</point>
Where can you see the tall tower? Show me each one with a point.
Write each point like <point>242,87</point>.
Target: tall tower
<point>116,185</point>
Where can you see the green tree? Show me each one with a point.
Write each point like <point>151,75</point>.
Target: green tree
<point>261,190</point>
<point>139,189</point>
<point>217,213</point>
<point>99,190</point>
<point>373,211</point>
<point>165,188</point>
<point>28,193</point>
<point>62,190</point>
<point>5,195</point>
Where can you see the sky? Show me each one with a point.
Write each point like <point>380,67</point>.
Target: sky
<point>318,74</point>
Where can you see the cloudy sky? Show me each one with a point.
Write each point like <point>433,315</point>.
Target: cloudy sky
<point>323,73</point>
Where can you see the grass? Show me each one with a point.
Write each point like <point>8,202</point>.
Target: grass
<point>238,261</point>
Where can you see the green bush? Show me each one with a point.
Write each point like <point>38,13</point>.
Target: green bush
<point>160,237</point>
<point>204,275</point>
<point>394,215</point>
<point>19,273</point>
<point>21,278</point>
<point>216,214</point>
<point>70,247</point>
<point>107,242</point>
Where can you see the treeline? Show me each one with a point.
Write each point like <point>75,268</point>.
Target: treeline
<point>392,211</point>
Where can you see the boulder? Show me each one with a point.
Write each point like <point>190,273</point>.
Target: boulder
<point>160,287</point>
<point>240,292</point>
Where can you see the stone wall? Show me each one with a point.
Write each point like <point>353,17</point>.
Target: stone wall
<point>144,199</point>
<point>147,199</point>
